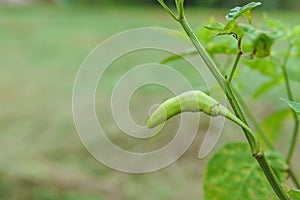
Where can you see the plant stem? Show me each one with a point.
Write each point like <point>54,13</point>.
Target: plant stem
<point>285,74</point>
<point>199,47</point>
<point>162,3</point>
<point>237,59</point>
<point>295,115</point>
<point>180,8</point>
<point>253,120</point>
<point>219,77</point>
<point>294,178</point>
<point>261,159</point>
<point>294,138</point>
<point>212,67</point>
<point>234,103</point>
<point>256,149</point>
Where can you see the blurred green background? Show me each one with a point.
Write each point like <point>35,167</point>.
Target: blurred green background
<point>42,45</point>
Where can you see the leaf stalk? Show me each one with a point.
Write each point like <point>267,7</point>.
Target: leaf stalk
<point>295,115</point>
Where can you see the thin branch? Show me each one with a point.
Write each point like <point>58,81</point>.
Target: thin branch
<point>237,60</point>
<point>271,176</point>
<point>162,3</point>
<point>254,122</point>
<point>199,47</point>
<point>295,115</point>
<point>294,178</point>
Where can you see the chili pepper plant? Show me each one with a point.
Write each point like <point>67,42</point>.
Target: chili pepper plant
<point>253,169</point>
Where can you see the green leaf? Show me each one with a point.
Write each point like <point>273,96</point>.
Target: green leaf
<point>230,28</point>
<point>232,173</point>
<point>266,66</point>
<point>293,105</point>
<point>205,35</point>
<point>222,45</point>
<point>215,26</point>
<point>262,40</point>
<point>238,11</point>
<point>259,41</point>
<point>294,194</point>
<point>216,39</point>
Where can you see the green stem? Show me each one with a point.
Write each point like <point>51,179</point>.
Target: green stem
<point>253,120</point>
<point>294,138</point>
<point>294,178</point>
<point>255,147</point>
<point>261,159</point>
<point>180,8</point>
<point>219,77</point>
<point>234,103</point>
<point>200,49</point>
<point>285,74</point>
<point>228,91</point>
<point>295,115</point>
<point>251,137</point>
<point>237,59</point>
<point>162,3</point>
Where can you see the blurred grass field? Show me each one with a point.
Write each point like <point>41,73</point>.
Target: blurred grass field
<point>41,49</point>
